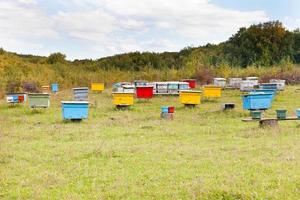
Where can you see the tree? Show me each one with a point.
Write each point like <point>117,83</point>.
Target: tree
<point>56,58</point>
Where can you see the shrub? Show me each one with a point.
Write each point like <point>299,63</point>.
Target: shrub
<point>31,87</point>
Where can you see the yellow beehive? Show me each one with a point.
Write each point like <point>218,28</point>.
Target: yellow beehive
<point>46,89</point>
<point>123,99</point>
<point>212,91</point>
<point>189,97</point>
<point>97,87</point>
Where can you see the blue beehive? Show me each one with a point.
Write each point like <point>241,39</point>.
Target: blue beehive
<point>165,109</point>
<point>258,101</point>
<point>259,91</point>
<point>54,87</point>
<point>268,86</point>
<point>75,110</point>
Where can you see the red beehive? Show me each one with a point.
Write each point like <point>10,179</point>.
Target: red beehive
<point>21,98</point>
<point>192,82</point>
<point>171,109</point>
<point>144,92</point>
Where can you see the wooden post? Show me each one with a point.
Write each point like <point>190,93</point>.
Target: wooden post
<point>268,123</point>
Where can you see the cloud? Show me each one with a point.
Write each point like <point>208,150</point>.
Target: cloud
<point>22,23</point>
<point>116,26</point>
<point>93,25</point>
<point>20,19</point>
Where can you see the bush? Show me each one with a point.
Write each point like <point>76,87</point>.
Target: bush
<point>31,87</point>
<point>204,74</point>
<point>56,58</point>
<point>12,87</point>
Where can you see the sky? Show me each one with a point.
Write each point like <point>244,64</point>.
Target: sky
<point>97,28</point>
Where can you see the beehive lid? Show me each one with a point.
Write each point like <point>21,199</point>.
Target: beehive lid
<point>38,94</point>
<point>252,78</point>
<point>220,79</point>
<point>74,102</point>
<point>258,94</point>
<point>128,86</point>
<point>81,88</point>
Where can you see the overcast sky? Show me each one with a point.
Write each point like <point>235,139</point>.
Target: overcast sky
<point>97,28</point>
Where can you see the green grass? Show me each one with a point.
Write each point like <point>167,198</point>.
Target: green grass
<point>202,154</point>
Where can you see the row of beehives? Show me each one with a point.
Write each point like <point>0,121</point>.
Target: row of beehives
<point>169,87</point>
<point>71,110</point>
<point>15,98</point>
<point>246,85</point>
<point>187,97</point>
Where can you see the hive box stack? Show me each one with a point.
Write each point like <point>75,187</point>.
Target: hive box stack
<point>190,98</point>
<point>75,110</point>
<point>235,83</point>
<point>246,86</point>
<point>123,100</point>
<point>173,88</point>
<point>81,93</point>
<point>249,84</point>
<point>161,88</point>
<point>144,92</point>
<point>167,112</point>
<point>140,83</point>
<point>212,91</point>
<point>184,86</point>
<point>221,82</point>
<point>253,79</point>
<point>15,98</point>
<point>280,83</point>
<point>97,87</point>
<point>257,101</point>
<point>192,83</point>
<point>38,100</point>
<point>54,87</point>
<point>46,89</point>
<point>128,88</point>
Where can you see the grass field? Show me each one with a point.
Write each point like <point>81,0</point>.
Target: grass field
<point>202,154</point>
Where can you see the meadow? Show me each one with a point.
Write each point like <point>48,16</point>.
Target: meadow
<point>203,153</point>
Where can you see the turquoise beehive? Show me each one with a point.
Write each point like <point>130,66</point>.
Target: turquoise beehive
<point>54,87</point>
<point>75,110</point>
<point>257,101</point>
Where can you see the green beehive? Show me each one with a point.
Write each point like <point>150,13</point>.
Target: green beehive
<point>256,114</point>
<point>281,114</point>
<point>38,100</point>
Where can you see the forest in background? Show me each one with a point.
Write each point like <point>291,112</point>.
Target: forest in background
<point>267,50</point>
